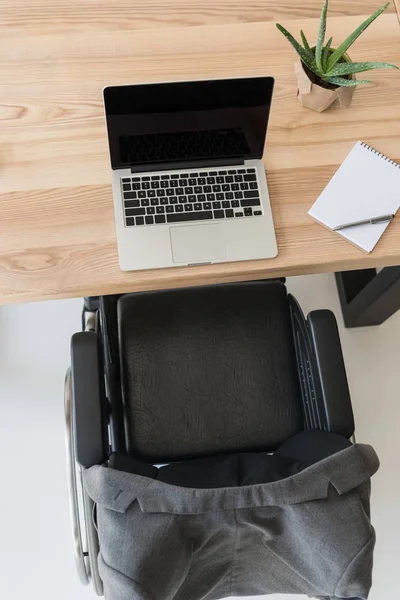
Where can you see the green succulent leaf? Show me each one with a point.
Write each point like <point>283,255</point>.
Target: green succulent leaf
<point>346,82</point>
<point>325,54</point>
<point>344,46</point>
<point>357,67</point>
<point>305,55</point>
<point>305,41</point>
<point>321,36</point>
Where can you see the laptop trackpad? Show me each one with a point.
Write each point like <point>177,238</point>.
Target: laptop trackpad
<point>197,243</point>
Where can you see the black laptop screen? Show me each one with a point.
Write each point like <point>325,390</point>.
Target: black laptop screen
<point>171,123</point>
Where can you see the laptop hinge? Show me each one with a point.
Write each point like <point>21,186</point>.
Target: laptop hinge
<point>186,164</point>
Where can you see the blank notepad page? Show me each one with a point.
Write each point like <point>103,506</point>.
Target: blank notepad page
<point>365,186</point>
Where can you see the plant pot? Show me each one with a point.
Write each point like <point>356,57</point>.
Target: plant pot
<point>313,96</point>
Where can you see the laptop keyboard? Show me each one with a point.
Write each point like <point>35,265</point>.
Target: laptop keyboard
<point>200,196</point>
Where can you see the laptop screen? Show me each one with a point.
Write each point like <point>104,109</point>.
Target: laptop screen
<point>190,121</point>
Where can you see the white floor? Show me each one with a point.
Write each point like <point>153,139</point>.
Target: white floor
<point>35,549</point>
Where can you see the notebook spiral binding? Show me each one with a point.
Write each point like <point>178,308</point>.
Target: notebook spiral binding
<point>392,162</point>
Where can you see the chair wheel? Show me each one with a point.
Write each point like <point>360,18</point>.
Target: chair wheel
<point>86,562</point>
<point>80,559</point>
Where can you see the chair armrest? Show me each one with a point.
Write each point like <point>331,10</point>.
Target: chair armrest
<point>88,397</point>
<point>328,364</point>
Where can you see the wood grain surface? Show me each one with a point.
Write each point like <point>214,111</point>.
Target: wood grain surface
<point>55,16</point>
<point>57,236</point>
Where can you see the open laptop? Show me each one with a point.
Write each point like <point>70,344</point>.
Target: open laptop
<point>189,186</point>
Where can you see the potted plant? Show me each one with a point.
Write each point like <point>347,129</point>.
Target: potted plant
<point>325,73</point>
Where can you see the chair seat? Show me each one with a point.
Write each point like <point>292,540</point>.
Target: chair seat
<point>208,370</point>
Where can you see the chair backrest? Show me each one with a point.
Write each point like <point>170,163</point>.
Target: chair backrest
<point>208,370</point>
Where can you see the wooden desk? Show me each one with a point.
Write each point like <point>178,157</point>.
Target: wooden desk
<point>57,234</point>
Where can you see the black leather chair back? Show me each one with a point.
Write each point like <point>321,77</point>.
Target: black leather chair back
<point>208,370</point>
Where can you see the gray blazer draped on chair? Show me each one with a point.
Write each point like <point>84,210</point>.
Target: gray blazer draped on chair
<point>307,534</point>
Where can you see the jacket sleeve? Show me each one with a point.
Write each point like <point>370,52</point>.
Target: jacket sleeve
<point>356,580</point>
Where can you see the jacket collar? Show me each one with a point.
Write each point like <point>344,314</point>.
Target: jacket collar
<point>344,470</point>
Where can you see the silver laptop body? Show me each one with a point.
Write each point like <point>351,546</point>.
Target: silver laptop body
<point>189,186</point>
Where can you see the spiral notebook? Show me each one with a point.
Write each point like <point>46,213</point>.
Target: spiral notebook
<point>366,185</point>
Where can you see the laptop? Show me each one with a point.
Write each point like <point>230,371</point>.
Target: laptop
<point>189,185</point>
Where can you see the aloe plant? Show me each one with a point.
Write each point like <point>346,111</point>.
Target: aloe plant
<point>332,65</point>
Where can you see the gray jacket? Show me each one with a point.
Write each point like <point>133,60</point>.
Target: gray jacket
<point>307,534</point>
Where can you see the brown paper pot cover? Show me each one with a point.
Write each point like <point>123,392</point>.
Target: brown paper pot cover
<point>316,97</point>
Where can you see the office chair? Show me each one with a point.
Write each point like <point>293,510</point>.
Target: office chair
<point>179,375</point>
